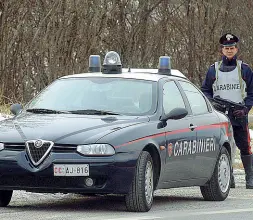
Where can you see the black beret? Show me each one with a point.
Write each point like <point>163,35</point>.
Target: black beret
<point>229,40</point>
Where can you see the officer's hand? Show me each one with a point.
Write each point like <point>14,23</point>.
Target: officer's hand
<point>240,113</point>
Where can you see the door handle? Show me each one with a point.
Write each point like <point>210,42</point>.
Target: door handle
<point>192,127</point>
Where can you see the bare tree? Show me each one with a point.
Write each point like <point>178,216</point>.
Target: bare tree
<point>41,40</point>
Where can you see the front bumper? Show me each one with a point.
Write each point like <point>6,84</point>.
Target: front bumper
<point>112,174</point>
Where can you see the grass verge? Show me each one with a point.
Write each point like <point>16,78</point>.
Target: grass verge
<point>251,126</point>
<point>5,109</point>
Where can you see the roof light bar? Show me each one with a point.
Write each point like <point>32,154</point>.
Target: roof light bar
<point>164,66</point>
<point>112,63</point>
<point>94,63</point>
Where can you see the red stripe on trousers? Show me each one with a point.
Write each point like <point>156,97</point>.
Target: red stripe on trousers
<point>249,146</point>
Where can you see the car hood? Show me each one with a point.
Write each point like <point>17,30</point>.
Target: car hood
<point>63,128</point>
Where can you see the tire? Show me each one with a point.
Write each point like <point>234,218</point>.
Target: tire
<point>217,189</point>
<point>5,197</point>
<point>141,193</point>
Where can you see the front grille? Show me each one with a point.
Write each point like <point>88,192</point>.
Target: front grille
<point>14,146</point>
<point>39,181</point>
<point>49,181</point>
<point>38,153</point>
<point>57,148</point>
<point>64,148</point>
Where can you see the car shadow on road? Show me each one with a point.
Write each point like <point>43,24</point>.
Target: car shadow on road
<point>95,203</point>
<point>176,199</point>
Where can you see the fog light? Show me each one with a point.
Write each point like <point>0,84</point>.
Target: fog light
<point>89,182</point>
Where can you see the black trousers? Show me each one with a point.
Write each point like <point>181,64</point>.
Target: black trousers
<point>242,139</point>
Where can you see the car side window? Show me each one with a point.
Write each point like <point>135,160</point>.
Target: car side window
<point>196,100</point>
<point>172,97</point>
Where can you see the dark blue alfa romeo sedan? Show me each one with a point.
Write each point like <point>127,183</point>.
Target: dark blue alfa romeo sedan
<point>117,131</point>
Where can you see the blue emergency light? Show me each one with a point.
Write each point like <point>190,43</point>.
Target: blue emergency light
<point>164,66</point>
<point>112,63</point>
<point>94,63</point>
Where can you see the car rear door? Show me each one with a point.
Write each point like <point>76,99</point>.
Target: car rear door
<point>180,136</point>
<point>208,131</point>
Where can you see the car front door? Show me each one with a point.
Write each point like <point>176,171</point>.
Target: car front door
<point>180,137</point>
<point>208,131</point>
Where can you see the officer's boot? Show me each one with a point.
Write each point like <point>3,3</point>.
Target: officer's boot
<point>232,184</point>
<point>248,167</point>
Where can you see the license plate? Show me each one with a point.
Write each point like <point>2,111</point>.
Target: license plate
<point>71,169</point>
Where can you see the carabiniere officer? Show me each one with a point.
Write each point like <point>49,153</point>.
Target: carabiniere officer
<point>232,79</point>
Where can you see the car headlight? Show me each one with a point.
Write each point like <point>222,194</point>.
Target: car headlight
<point>96,149</point>
<point>1,146</point>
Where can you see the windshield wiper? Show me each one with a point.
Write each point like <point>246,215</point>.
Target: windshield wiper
<point>45,111</point>
<point>93,112</point>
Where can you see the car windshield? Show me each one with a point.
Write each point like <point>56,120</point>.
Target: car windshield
<point>97,94</point>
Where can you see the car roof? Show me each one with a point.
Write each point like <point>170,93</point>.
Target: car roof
<point>142,74</point>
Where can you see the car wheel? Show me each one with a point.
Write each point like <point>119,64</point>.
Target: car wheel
<point>218,187</point>
<point>5,197</point>
<point>140,196</point>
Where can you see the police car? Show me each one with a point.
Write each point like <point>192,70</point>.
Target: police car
<point>117,131</point>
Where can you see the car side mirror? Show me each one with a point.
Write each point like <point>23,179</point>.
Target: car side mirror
<point>175,114</point>
<point>16,108</point>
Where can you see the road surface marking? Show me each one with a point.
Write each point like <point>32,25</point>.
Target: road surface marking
<point>136,218</point>
<point>222,211</point>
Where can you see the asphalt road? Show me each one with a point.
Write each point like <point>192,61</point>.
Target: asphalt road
<point>176,204</point>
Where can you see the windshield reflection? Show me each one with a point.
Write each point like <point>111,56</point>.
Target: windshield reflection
<point>118,95</point>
